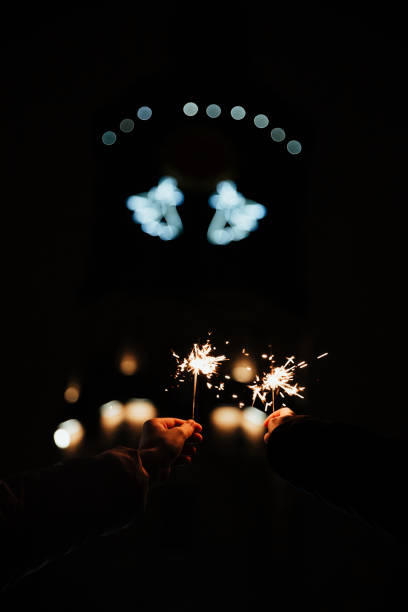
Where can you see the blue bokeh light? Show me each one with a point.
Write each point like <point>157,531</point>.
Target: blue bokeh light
<point>156,210</point>
<point>235,216</point>
<point>144,113</point>
<point>109,138</point>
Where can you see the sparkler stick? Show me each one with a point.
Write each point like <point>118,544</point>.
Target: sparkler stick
<point>199,361</point>
<point>194,392</point>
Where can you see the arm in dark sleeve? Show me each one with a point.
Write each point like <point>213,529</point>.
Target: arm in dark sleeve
<point>355,470</point>
<point>47,513</point>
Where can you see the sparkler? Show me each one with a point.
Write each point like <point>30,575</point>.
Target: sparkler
<point>279,379</point>
<point>199,361</point>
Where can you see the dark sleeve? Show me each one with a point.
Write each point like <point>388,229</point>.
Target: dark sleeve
<point>47,513</point>
<point>355,470</point>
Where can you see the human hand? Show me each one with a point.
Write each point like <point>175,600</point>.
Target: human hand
<point>275,419</point>
<point>167,441</point>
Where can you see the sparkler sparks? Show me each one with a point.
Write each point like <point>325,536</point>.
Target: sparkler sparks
<point>278,380</point>
<point>199,361</point>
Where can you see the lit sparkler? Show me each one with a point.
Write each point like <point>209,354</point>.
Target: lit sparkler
<point>279,379</point>
<point>199,361</point>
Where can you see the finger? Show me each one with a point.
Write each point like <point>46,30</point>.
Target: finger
<point>170,422</point>
<point>266,437</point>
<point>187,428</point>
<point>279,413</point>
<point>183,459</point>
<point>196,438</point>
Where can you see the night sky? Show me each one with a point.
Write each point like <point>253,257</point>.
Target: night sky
<point>325,271</point>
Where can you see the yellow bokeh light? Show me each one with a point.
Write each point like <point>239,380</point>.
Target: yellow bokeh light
<point>226,418</point>
<point>69,434</point>
<point>111,414</point>
<point>243,371</point>
<point>128,364</point>
<point>72,393</point>
<point>139,410</point>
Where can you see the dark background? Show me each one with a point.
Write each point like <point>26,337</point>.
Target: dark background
<point>325,271</point>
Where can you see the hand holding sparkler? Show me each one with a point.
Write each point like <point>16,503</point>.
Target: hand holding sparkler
<point>277,418</point>
<point>166,441</point>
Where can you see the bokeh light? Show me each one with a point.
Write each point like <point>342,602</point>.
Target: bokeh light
<point>72,392</point>
<point>253,422</point>
<point>226,419</point>
<point>109,138</point>
<point>294,147</point>
<point>127,125</point>
<point>213,111</point>
<point>261,121</point>
<point>139,410</point>
<point>111,414</point>
<point>243,371</point>
<point>144,113</point>
<point>238,112</point>
<point>69,434</point>
<point>128,364</point>
<point>190,109</point>
<point>62,438</point>
<point>278,134</point>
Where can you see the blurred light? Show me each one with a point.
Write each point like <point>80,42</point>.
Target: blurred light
<point>278,134</point>
<point>261,121</point>
<point>68,434</point>
<point>253,415</point>
<point>72,392</point>
<point>226,418</point>
<point>235,216</point>
<point>144,113</point>
<point>127,125</point>
<point>139,410</point>
<point>109,138</point>
<point>213,111</point>
<point>111,414</point>
<point>238,112</point>
<point>190,109</point>
<point>294,147</point>
<point>156,210</point>
<point>62,438</point>
<point>128,364</point>
<point>243,371</point>
<point>253,422</point>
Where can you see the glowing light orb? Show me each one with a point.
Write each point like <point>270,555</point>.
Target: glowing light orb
<point>68,434</point>
<point>139,410</point>
<point>238,113</point>
<point>235,216</point>
<point>156,210</point>
<point>261,121</point>
<point>213,111</point>
<point>144,113</point>
<point>109,138</point>
<point>226,418</point>
<point>72,393</point>
<point>294,147</point>
<point>190,109</point>
<point>277,134</point>
<point>128,364</point>
<point>111,414</point>
<point>243,371</point>
<point>127,125</point>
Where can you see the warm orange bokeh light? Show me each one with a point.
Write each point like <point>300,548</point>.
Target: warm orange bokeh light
<point>128,364</point>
